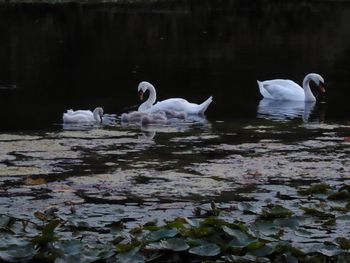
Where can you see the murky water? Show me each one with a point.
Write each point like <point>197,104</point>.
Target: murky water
<point>53,58</point>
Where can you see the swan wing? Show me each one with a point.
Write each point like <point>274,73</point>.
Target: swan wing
<point>175,104</point>
<point>80,112</point>
<point>281,89</point>
<point>77,118</point>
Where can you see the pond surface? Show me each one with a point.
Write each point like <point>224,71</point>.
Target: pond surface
<point>53,58</point>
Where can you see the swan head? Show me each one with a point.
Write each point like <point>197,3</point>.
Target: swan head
<point>319,81</point>
<point>143,86</point>
<point>98,113</point>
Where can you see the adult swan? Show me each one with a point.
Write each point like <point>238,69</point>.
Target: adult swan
<point>284,89</point>
<point>174,104</point>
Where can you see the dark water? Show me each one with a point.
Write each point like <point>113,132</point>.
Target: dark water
<point>54,57</point>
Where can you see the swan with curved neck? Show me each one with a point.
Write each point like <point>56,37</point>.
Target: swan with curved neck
<point>173,104</point>
<point>83,116</point>
<point>284,89</point>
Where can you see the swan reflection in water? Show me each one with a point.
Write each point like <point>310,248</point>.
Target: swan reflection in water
<point>149,132</point>
<point>285,110</point>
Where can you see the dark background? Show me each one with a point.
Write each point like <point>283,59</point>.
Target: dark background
<point>55,57</point>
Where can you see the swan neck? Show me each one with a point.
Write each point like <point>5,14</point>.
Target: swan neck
<point>150,101</point>
<point>96,116</point>
<point>152,95</point>
<point>308,93</point>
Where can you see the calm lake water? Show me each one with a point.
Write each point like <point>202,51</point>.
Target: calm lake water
<point>71,56</point>
<point>56,57</point>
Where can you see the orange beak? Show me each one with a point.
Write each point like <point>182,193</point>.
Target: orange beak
<point>141,95</point>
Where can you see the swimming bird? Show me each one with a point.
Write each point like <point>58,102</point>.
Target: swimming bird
<point>173,104</point>
<point>83,116</point>
<point>285,89</point>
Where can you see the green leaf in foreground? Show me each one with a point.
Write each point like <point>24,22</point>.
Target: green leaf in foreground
<point>341,195</point>
<point>131,256</point>
<point>320,188</point>
<point>163,233</point>
<point>173,244</point>
<point>277,211</point>
<point>208,250</point>
<point>343,242</point>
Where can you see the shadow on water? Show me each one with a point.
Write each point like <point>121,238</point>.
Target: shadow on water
<point>82,56</point>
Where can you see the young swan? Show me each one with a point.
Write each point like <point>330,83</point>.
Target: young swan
<point>83,116</point>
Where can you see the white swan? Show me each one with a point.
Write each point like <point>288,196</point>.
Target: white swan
<point>83,116</point>
<point>174,104</point>
<point>284,89</point>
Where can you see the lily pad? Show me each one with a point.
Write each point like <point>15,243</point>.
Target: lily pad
<point>320,188</point>
<point>131,256</point>
<point>173,244</point>
<point>163,233</point>
<point>250,208</point>
<point>240,239</point>
<point>277,211</point>
<point>340,195</point>
<point>343,242</point>
<point>208,250</point>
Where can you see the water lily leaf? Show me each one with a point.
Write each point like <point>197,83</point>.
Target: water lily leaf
<point>131,256</point>
<point>343,242</point>
<point>51,226</point>
<point>330,222</point>
<point>267,228</point>
<point>343,258</point>
<point>250,208</point>
<point>197,232</point>
<point>240,239</point>
<point>14,252</point>
<point>178,222</point>
<point>164,233</point>
<point>245,259</point>
<point>330,250</point>
<point>4,221</point>
<point>277,211</point>
<point>214,221</point>
<point>208,250</point>
<point>341,195</point>
<point>316,212</point>
<point>263,251</point>
<point>69,247</point>
<point>286,257</point>
<point>40,216</point>
<point>173,244</point>
<point>292,222</point>
<point>320,188</point>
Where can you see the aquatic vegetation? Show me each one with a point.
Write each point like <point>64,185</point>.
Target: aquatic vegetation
<point>205,236</point>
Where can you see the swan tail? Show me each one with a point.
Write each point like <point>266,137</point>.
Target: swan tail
<point>263,91</point>
<point>204,106</point>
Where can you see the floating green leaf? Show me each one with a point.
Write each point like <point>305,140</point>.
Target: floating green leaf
<point>173,244</point>
<point>276,211</point>
<point>320,188</point>
<point>250,208</point>
<point>343,242</point>
<point>208,250</point>
<point>240,239</point>
<point>131,256</point>
<point>163,233</point>
<point>316,212</point>
<point>341,195</point>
